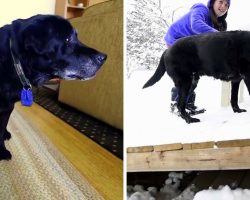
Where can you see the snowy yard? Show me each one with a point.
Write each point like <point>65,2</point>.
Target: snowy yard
<point>148,120</point>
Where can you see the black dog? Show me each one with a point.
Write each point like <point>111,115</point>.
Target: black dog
<point>34,50</point>
<point>222,55</point>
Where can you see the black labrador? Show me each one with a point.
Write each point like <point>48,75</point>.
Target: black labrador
<point>35,50</point>
<point>222,55</point>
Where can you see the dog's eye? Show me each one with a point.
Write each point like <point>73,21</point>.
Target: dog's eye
<point>68,41</point>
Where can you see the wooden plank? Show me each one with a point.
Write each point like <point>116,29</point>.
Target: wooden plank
<point>140,149</point>
<point>168,147</point>
<point>233,143</point>
<point>197,159</point>
<point>203,145</point>
<point>232,178</point>
<point>187,146</point>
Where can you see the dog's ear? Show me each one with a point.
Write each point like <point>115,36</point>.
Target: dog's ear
<point>27,36</point>
<point>37,40</point>
<point>38,43</point>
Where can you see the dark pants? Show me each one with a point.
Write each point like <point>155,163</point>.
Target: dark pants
<point>191,97</point>
<point>175,96</point>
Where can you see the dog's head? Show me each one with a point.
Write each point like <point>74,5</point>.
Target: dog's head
<point>48,48</point>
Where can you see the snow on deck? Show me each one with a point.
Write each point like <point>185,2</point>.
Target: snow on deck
<point>149,122</point>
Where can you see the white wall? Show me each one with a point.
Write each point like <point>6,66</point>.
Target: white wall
<point>14,9</point>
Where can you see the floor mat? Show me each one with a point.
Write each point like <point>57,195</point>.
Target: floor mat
<point>37,170</point>
<point>105,135</point>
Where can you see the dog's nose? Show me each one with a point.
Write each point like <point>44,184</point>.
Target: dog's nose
<point>100,58</point>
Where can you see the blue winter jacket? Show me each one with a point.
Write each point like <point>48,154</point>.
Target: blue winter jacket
<point>196,21</point>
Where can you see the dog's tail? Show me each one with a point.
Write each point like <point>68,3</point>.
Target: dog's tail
<point>160,71</point>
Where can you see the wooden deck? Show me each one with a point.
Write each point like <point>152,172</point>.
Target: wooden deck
<point>220,155</point>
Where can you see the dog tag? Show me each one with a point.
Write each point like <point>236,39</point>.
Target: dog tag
<point>26,97</point>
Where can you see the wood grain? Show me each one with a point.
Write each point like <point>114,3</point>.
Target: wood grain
<point>233,143</point>
<point>140,149</point>
<point>195,159</point>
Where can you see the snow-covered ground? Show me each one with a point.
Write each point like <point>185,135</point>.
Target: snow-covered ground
<point>148,120</point>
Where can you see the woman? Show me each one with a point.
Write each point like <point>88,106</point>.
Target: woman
<point>200,19</point>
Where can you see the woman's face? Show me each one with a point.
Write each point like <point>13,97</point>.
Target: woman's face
<point>220,7</point>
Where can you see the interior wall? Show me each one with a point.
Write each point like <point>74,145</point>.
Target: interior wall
<point>92,2</point>
<point>15,9</point>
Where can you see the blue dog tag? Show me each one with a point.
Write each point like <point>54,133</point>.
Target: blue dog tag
<point>26,97</point>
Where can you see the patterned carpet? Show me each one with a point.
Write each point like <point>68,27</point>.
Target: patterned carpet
<point>105,135</point>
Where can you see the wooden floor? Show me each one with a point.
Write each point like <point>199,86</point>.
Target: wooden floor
<point>102,169</point>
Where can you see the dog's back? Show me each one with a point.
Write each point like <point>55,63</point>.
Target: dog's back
<point>219,55</point>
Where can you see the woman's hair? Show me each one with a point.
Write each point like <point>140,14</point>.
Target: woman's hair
<point>219,23</point>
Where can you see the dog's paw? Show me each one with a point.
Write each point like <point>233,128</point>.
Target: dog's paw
<point>6,135</point>
<point>238,110</point>
<point>192,120</point>
<point>5,154</point>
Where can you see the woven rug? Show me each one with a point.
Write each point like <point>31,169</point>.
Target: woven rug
<point>38,171</point>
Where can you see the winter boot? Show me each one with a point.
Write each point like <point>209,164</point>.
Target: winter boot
<point>174,99</point>
<point>192,109</point>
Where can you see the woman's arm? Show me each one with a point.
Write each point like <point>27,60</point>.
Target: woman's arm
<point>199,20</point>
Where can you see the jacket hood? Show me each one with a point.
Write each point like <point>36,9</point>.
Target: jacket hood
<point>211,2</point>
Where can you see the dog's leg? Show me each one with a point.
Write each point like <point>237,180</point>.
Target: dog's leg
<point>247,82</point>
<point>4,134</point>
<point>194,84</point>
<point>234,96</point>
<point>184,90</point>
<point>7,134</point>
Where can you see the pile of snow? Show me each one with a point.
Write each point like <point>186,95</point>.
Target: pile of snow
<point>169,191</point>
<point>223,193</point>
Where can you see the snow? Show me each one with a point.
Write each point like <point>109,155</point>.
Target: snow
<point>147,119</point>
<point>169,191</point>
<point>224,193</point>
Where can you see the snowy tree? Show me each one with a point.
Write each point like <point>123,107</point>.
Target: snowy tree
<point>147,23</point>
